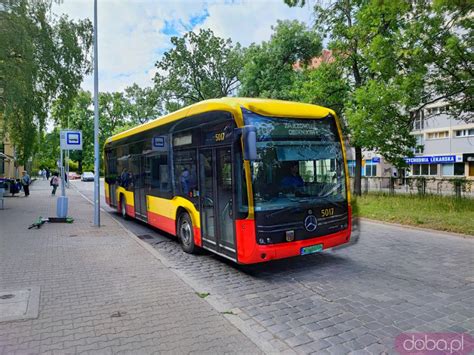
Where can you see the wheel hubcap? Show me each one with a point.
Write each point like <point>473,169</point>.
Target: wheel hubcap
<point>185,231</point>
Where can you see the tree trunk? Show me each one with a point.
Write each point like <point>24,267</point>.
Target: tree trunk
<point>358,172</point>
<point>79,165</point>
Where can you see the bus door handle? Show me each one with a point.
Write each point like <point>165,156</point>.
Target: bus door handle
<point>229,208</point>
<point>207,202</point>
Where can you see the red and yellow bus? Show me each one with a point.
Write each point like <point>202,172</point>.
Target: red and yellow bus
<point>252,180</point>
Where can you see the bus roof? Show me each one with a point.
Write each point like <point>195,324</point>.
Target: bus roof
<point>265,107</point>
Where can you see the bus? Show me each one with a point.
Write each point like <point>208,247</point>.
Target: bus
<point>252,180</point>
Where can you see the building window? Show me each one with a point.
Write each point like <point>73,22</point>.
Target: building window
<point>416,169</point>
<point>419,147</point>
<point>371,170</point>
<point>437,135</point>
<point>456,169</point>
<point>418,119</point>
<point>434,110</point>
<point>424,169</point>
<point>464,132</point>
<point>351,170</point>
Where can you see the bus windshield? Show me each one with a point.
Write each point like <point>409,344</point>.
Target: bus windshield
<point>300,162</point>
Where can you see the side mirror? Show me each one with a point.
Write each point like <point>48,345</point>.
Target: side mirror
<point>249,135</point>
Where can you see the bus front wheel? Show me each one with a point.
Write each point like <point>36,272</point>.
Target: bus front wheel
<point>186,233</point>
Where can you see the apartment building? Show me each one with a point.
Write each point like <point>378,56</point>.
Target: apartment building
<point>8,168</point>
<point>445,146</point>
<point>445,149</point>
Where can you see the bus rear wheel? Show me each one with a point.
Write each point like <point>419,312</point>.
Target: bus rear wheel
<point>186,233</point>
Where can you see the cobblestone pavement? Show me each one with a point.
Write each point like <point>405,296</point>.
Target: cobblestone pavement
<point>356,299</point>
<point>101,291</point>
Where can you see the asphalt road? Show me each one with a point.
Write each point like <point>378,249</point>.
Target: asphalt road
<point>395,280</point>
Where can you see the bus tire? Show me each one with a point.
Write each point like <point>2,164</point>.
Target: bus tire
<point>123,207</point>
<point>186,233</point>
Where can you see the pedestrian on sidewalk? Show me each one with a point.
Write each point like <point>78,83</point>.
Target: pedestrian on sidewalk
<point>48,174</point>
<point>54,183</point>
<point>25,182</point>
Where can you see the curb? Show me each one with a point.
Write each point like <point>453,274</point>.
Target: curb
<point>408,226</point>
<point>263,345</point>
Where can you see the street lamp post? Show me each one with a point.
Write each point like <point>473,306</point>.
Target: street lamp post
<point>96,126</point>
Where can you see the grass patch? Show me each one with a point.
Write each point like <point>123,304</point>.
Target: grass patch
<point>203,294</point>
<point>229,312</point>
<point>431,211</point>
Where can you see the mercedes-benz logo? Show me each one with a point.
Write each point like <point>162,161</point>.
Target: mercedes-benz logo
<point>310,223</point>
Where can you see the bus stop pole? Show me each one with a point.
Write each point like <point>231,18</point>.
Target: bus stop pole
<point>96,127</point>
<point>63,190</point>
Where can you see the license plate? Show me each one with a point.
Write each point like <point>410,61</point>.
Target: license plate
<point>311,249</point>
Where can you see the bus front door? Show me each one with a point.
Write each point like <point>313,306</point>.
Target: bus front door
<point>217,225</point>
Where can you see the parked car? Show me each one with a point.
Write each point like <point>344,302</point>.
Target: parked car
<point>87,176</point>
<point>73,176</point>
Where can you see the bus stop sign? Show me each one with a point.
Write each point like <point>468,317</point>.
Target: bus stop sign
<point>71,140</point>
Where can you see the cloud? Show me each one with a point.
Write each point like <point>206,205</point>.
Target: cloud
<point>249,22</point>
<point>133,35</point>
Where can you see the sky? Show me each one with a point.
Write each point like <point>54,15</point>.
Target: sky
<point>134,34</point>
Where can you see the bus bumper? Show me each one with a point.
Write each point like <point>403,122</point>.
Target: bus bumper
<point>249,252</point>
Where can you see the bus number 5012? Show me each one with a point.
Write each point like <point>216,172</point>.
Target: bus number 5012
<point>326,212</point>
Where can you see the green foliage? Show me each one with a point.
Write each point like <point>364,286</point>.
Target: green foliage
<point>143,104</point>
<point>382,52</point>
<point>42,59</point>
<point>268,69</point>
<point>48,152</point>
<point>117,112</point>
<point>325,86</point>
<point>446,29</point>
<point>200,66</point>
<point>73,166</point>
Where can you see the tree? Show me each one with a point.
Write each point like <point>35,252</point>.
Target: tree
<point>48,151</point>
<point>269,67</point>
<point>397,57</point>
<point>200,66</point>
<point>324,86</point>
<point>143,103</point>
<point>42,59</point>
<point>383,86</point>
<point>441,38</point>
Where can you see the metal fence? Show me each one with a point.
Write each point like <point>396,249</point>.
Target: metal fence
<point>457,187</point>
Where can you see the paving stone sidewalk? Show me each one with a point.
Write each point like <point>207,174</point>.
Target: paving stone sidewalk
<point>100,291</point>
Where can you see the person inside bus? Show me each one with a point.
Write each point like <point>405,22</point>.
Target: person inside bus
<point>293,179</point>
<point>124,178</point>
<point>187,182</point>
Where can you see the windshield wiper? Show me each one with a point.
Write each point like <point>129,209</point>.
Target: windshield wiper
<point>327,199</point>
<point>285,209</point>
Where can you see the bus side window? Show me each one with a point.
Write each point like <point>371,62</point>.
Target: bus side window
<point>159,174</point>
<point>185,172</point>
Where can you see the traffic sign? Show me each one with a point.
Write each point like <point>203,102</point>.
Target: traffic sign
<point>71,140</point>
